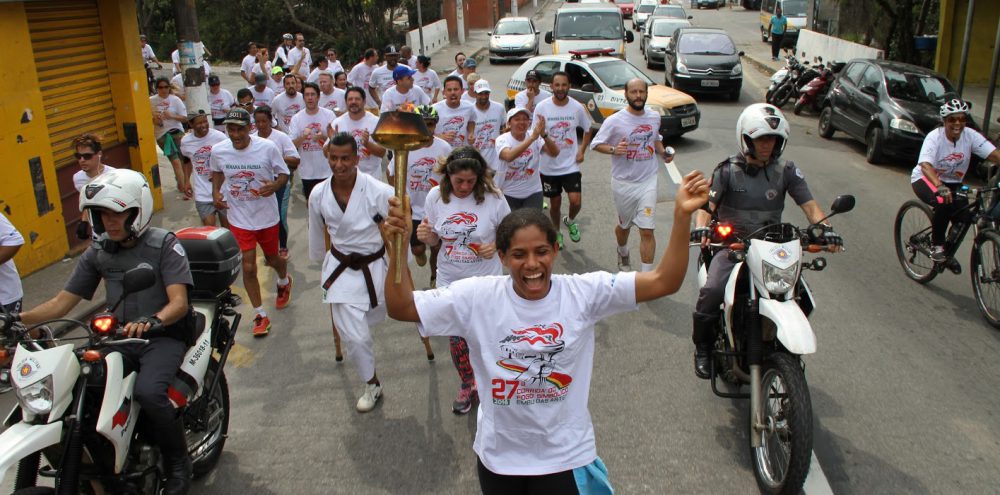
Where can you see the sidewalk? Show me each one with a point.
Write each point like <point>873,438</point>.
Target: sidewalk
<point>477,43</point>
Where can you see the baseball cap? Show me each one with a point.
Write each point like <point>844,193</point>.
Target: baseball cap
<point>532,75</point>
<point>391,50</point>
<point>237,115</point>
<point>277,70</point>
<point>287,36</point>
<point>470,62</point>
<point>402,71</point>
<point>142,36</point>
<point>516,110</point>
<point>193,115</point>
<point>214,80</point>
<point>259,78</point>
<point>482,86</point>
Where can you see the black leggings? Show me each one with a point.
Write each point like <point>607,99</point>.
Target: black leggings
<point>776,40</point>
<point>561,483</point>
<point>942,211</point>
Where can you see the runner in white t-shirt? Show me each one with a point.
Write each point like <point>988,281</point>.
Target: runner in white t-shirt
<point>490,119</point>
<point>196,147</point>
<point>382,77</point>
<point>361,124</point>
<point>457,119</point>
<point>219,101</point>
<point>632,137</point>
<point>330,96</point>
<point>88,154</point>
<point>563,116</point>
<point>265,129</point>
<point>11,292</point>
<point>531,339</point>
<point>519,154</point>
<point>361,75</point>
<point>403,94</point>
<point>246,66</point>
<point>407,57</point>
<point>532,94</point>
<point>287,104</point>
<point>169,115</point>
<point>249,170</point>
<point>426,79</point>
<point>462,215</point>
<point>334,65</point>
<point>309,131</point>
<point>470,88</point>
<point>262,95</point>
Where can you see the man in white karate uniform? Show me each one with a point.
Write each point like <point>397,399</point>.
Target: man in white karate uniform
<point>350,206</point>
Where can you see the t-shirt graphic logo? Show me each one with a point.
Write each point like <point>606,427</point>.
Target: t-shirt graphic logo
<point>200,160</point>
<point>637,141</point>
<point>455,124</point>
<point>240,186</point>
<point>483,140</point>
<point>456,234</point>
<point>530,353</point>
<point>560,133</point>
<point>421,174</point>
<point>359,137</point>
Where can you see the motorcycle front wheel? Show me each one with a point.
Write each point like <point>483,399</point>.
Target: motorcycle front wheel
<point>912,235</point>
<point>782,95</point>
<point>781,463</point>
<point>985,268</point>
<point>207,424</point>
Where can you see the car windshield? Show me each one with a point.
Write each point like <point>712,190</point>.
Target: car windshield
<point>793,8</point>
<point>706,44</point>
<point>667,28</point>
<point>646,8</point>
<point>514,27</point>
<point>922,88</point>
<point>589,25</point>
<point>615,73</point>
<point>670,11</point>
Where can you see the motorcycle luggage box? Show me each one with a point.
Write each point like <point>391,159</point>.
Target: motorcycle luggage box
<point>214,257</point>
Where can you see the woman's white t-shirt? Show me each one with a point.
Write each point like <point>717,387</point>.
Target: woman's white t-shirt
<point>172,104</point>
<point>463,227</point>
<point>199,150</point>
<point>519,177</point>
<point>428,81</point>
<point>533,362</point>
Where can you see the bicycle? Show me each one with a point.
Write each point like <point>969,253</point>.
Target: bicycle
<point>913,244</point>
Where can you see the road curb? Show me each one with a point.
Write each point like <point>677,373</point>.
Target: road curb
<point>759,65</point>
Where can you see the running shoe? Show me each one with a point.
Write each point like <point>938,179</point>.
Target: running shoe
<point>559,240</point>
<point>467,395</point>
<point>421,258</point>
<point>545,204</point>
<point>623,263</point>
<point>937,254</point>
<point>284,294</point>
<point>574,230</point>
<point>370,397</point>
<point>261,326</point>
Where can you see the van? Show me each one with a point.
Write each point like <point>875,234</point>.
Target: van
<point>794,10</point>
<point>580,27</point>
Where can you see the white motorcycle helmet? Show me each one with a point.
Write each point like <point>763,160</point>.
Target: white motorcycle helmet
<point>761,119</point>
<point>954,106</point>
<point>118,190</point>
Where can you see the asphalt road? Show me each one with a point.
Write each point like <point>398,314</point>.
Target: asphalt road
<point>902,384</point>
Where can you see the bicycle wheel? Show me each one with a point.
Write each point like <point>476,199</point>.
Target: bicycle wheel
<point>985,268</point>
<point>913,241</point>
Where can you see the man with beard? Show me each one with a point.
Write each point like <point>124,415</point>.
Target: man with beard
<point>457,118</point>
<point>403,94</point>
<point>361,74</point>
<point>299,57</point>
<point>382,77</point>
<point>349,207</point>
<point>330,96</point>
<point>263,118</point>
<point>563,117</point>
<point>219,101</point>
<point>632,137</point>
<point>287,104</point>
<point>196,148</point>
<point>490,118</point>
<point>310,129</point>
<point>361,124</point>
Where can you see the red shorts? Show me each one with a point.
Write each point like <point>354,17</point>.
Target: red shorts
<point>248,239</point>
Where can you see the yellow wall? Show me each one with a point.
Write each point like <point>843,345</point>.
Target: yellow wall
<point>952,32</point>
<point>45,233</point>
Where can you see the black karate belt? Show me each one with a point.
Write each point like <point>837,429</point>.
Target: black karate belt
<point>356,261</point>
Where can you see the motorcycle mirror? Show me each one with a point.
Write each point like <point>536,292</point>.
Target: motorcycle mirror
<point>742,53</point>
<point>843,204</point>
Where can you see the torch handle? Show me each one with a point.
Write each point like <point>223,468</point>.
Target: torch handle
<point>398,243</point>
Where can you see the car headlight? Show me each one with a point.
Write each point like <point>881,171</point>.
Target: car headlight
<point>737,69</point>
<point>656,48</point>
<point>660,109</point>
<point>780,280</point>
<point>528,44</point>
<point>904,125</point>
<point>37,397</point>
<point>681,68</point>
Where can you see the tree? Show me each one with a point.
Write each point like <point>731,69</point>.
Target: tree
<point>890,24</point>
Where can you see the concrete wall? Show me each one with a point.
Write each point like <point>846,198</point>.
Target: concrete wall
<point>812,44</point>
<point>952,31</point>
<point>435,37</point>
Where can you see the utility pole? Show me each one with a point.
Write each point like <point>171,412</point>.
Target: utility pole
<point>420,28</point>
<point>460,20</point>
<point>192,56</point>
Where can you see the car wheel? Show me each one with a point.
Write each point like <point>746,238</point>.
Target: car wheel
<point>649,65</point>
<point>826,128</point>
<point>874,152</point>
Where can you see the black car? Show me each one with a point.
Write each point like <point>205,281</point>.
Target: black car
<point>715,4</point>
<point>703,60</point>
<point>890,106</point>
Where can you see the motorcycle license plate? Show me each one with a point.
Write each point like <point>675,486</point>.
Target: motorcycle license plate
<point>687,121</point>
<point>710,83</point>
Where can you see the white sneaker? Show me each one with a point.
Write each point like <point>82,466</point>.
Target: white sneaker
<point>371,395</point>
<point>624,264</point>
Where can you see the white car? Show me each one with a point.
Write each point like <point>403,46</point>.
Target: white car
<point>513,38</point>
<point>641,13</point>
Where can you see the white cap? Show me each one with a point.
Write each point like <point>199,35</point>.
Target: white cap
<point>516,110</point>
<point>482,86</point>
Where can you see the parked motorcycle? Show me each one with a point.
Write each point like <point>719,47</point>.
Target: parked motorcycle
<point>781,76</point>
<point>814,92</point>
<point>764,331</point>
<point>799,75</point>
<point>75,404</point>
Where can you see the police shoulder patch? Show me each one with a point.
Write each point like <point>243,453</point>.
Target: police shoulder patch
<point>179,249</point>
<point>799,174</point>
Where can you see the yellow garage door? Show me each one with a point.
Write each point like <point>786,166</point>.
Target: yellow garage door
<point>73,73</point>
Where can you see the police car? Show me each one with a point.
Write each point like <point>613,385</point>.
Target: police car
<point>597,80</point>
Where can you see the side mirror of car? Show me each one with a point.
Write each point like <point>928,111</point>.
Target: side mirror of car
<point>742,54</point>
<point>548,37</point>
<point>489,33</point>
<point>537,32</point>
<point>629,37</point>
<point>690,17</point>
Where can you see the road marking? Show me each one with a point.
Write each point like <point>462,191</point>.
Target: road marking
<point>241,356</point>
<point>816,482</point>
<point>672,171</point>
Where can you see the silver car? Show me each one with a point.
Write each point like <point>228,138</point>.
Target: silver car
<point>513,38</point>
<point>656,36</point>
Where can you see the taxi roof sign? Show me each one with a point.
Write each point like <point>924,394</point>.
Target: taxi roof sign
<point>591,53</point>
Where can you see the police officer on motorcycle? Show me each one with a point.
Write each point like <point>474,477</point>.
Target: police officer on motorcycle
<point>748,192</point>
<point>120,206</point>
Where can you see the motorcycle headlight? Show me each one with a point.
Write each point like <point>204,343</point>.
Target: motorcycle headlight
<point>904,125</point>
<point>37,397</point>
<point>737,69</point>
<point>681,68</point>
<point>780,280</point>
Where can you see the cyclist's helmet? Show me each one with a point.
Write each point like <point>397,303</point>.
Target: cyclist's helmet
<point>427,112</point>
<point>118,190</point>
<point>954,106</point>
<point>761,119</point>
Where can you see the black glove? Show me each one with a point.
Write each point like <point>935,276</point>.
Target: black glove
<point>944,191</point>
<point>7,320</point>
<point>700,233</point>
<point>831,238</point>
<point>82,230</point>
